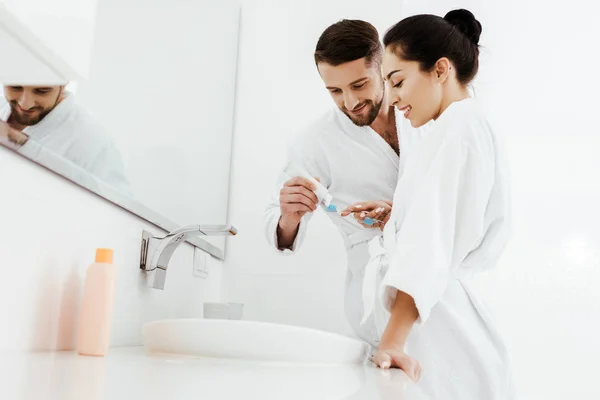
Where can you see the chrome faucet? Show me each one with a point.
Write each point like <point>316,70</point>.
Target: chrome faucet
<point>156,252</point>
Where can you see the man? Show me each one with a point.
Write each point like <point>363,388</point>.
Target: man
<point>49,116</point>
<point>353,150</point>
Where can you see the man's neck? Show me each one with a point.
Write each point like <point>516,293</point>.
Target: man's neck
<point>385,120</point>
<point>385,125</point>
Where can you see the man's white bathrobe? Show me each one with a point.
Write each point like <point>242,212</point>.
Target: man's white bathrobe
<point>354,164</point>
<point>450,219</point>
<point>70,132</point>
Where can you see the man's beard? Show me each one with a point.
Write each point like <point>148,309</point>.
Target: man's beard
<point>371,115</point>
<point>27,120</point>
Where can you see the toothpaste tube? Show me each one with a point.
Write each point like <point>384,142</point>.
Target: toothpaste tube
<point>321,191</point>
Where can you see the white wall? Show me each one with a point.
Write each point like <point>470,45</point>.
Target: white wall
<point>49,231</point>
<point>538,79</point>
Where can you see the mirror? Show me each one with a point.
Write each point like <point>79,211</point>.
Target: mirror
<point>149,124</point>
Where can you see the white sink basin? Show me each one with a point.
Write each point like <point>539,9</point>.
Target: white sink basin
<point>249,340</point>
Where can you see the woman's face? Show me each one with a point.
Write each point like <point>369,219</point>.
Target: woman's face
<point>416,93</point>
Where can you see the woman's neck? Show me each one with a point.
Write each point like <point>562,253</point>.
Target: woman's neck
<point>453,93</point>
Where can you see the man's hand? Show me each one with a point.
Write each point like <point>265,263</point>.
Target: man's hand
<point>379,210</point>
<point>296,198</point>
<point>11,135</point>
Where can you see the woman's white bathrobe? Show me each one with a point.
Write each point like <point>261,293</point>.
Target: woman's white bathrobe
<point>450,219</point>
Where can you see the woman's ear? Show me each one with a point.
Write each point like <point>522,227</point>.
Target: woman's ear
<point>442,69</point>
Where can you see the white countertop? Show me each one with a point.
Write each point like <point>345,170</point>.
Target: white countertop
<point>129,373</point>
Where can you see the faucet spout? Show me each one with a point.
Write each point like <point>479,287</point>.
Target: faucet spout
<point>157,252</point>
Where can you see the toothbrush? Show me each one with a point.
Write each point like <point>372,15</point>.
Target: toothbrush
<point>367,221</point>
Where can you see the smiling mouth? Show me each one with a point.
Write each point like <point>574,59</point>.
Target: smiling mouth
<point>406,110</point>
<point>27,112</point>
<point>358,110</point>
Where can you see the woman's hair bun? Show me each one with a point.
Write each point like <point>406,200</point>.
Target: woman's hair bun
<point>465,21</point>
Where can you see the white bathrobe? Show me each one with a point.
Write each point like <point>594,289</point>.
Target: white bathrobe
<point>451,219</point>
<point>354,164</point>
<point>70,132</point>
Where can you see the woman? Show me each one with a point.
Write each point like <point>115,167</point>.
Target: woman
<point>450,218</point>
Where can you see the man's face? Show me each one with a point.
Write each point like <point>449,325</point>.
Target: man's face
<point>30,104</point>
<point>356,88</point>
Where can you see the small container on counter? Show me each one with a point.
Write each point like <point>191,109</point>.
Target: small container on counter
<point>96,313</point>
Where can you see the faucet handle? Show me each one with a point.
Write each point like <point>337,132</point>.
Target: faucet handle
<point>207,230</point>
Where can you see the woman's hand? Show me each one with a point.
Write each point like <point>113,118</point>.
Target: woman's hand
<point>389,357</point>
<point>379,210</point>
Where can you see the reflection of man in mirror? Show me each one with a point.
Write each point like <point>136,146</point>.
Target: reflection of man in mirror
<point>49,116</point>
